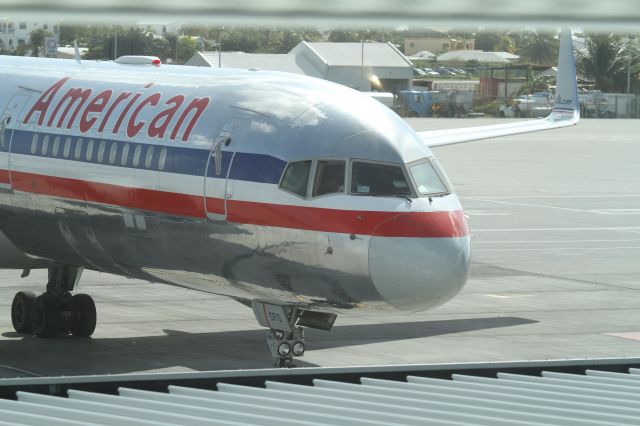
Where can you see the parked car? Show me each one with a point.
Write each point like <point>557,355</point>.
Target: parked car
<point>431,72</point>
<point>417,72</point>
<point>444,71</point>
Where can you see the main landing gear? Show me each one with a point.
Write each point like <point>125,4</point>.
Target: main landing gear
<point>56,311</point>
<point>285,338</point>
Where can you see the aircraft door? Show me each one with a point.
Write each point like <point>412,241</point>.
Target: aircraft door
<point>8,124</point>
<point>217,190</point>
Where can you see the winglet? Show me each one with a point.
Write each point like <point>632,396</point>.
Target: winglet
<point>567,105</point>
<point>565,112</point>
<point>77,51</point>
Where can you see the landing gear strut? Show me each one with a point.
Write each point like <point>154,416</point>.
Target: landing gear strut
<point>55,311</point>
<point>285,338</point>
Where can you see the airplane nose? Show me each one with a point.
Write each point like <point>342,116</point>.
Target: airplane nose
<point>422,271</point>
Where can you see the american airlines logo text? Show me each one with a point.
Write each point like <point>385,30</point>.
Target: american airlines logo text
<point>560,101</point>
<point>96,112</point>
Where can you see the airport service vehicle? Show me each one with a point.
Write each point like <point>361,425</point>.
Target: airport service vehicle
<point>295,196</point>
<point>418,103</point>
<point>427,103</point>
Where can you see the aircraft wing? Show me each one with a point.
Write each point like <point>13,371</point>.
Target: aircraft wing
<point>566,111</point>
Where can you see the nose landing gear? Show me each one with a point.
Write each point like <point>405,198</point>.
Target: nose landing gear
<point>285,338</point>
<point>56,311</point>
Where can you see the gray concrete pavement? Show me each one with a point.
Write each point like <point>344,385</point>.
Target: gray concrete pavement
<point>555,219</point>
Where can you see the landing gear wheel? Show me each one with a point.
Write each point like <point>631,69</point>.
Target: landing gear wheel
<point>46,315</point>
<point>83,312</point>
<point>21,311</point>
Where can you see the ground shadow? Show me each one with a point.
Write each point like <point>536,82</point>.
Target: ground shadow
<point>178,350</point>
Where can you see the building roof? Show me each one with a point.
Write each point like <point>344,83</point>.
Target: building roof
<point>357,54</point>
<point>551,72</point>
<point>296,64</point>
<point>477,55</point>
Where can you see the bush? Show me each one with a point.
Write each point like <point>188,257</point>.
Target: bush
<point>490,108</point>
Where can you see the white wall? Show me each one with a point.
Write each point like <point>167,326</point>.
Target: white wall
<point>14,31</point>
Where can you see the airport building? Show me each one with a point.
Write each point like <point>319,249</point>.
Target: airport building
<point>444,43</point>
<point>14,33</point>
<point>362,66</point>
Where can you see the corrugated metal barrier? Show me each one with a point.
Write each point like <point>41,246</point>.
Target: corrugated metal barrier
<point>596,398</point>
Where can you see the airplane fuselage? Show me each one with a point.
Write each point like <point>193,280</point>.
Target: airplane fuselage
<point>250,184</point>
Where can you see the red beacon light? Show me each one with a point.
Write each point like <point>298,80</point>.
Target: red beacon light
<point>138,60</point>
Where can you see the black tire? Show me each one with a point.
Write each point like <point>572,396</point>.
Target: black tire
<point>46,315</point>
<point>83,311</point>
<point>501,114</point>
<point>21,311</point>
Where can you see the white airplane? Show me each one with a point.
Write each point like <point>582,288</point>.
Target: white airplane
<point>293,195</point>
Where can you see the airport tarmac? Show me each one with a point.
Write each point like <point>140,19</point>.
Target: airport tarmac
<point>555,220</point>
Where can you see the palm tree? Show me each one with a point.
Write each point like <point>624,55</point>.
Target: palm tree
<point>539,48</point>
<point>605,62</point>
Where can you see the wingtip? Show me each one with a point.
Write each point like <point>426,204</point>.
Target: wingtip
<point>566,97</point>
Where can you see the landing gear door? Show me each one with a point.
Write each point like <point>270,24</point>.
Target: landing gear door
<point>217,190</point>
<point>8,124</point>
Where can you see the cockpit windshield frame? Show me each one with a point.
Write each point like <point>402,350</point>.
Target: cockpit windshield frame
<point>412,191</point>
<point>446,184</point>
<point>313,169</point>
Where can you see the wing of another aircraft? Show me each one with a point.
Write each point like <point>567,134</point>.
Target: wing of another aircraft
<point>566,111</point>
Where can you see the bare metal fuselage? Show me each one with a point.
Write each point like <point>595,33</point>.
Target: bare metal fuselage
<point>130,187</point>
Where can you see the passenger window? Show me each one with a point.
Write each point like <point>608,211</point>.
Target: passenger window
<point>56,146</point>
<point>67,147</point>
<point>296,177</point>
<point>163,159</point>
<point>78,150</point>
<point>329,177</point>
<point>113,152</point>
<point>136,155</point>
<point>89,152</point>
<point>101,149</point>
<point>149,157</point>
<point>45,145</point>
<point>378,179</point>
<point>34,143</point>
<point>125,154</point>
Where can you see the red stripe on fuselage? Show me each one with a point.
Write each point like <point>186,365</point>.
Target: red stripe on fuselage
<point>136,198</point>
<point>439,224</point>
<point>4,176</point>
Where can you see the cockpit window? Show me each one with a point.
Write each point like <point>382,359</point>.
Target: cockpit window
<point>378,179</point>
<point>296,177</point>
<point>329,177</point>
<point>427,179</point>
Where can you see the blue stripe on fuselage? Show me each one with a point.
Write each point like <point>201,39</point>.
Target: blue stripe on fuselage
<point>250,167</point>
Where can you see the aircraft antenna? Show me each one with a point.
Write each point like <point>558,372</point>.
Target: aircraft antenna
<point>77,51</point>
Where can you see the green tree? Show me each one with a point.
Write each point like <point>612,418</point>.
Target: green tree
<point>36,40</point>
<point>342,36</point>
<point>505,44</point>
<point>538,47</point>
<point>130,41</point>
<point>185,49</point>
<point>241,40</point>
<point>605,62</point>
<point>485,41</point>
<point>83,33</point>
